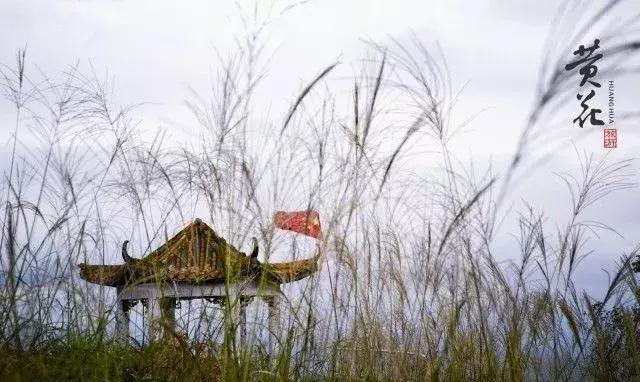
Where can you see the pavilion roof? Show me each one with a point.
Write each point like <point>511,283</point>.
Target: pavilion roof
<point>196,254</point>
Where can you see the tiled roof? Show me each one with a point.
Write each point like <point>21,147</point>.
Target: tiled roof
<point>194,255</point>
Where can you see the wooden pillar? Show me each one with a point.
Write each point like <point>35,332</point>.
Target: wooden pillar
<point>153,314</point>
<point>168,314</point>
<point>160,314</point>
<point>122,320</point>
<point>274,314</point>
<point>242,319</point>
<point>273,306</point>
<point>242,323</point>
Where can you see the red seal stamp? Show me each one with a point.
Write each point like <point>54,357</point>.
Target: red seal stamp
<point>610,138</point>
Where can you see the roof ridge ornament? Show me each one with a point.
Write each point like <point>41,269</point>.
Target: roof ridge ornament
<point>125,255</point>
<point>255,248</point>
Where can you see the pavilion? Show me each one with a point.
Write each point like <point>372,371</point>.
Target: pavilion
<point>195,263</point>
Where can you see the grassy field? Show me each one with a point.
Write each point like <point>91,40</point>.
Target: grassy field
<point>410,288</point>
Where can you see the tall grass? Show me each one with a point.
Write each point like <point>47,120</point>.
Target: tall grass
<point>410,288</point>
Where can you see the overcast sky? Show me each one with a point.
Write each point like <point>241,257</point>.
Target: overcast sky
<point>156,50</point>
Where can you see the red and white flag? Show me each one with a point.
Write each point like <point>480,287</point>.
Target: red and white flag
<point>304,222</point>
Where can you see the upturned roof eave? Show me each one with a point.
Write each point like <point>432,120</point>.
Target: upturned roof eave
<point>118,275</point>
